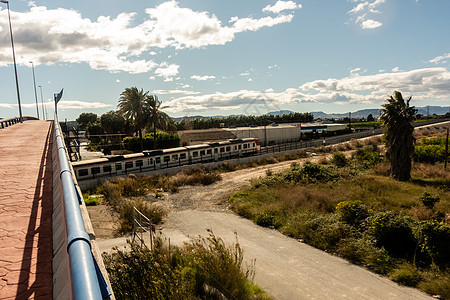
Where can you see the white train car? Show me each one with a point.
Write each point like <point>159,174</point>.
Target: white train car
<point>160,159</point>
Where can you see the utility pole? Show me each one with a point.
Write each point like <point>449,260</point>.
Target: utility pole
<point>446,151</point>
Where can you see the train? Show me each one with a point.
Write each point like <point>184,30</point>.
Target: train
<point>159,159</point>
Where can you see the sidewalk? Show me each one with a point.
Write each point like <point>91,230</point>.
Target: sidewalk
<point>26,211</point>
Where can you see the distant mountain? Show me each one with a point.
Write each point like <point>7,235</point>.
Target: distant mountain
<point>280,112</point>
<point>359,114</point>
<point>363,113</point>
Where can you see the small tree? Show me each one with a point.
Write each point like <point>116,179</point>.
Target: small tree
<point>397,116</point>
<point>85,119</point>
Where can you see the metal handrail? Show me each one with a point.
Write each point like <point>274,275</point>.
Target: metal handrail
<point>84,276</point>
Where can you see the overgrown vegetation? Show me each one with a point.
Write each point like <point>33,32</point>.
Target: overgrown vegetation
<point>204,269</point>
<point>124,193</point>
<point>355,210</point>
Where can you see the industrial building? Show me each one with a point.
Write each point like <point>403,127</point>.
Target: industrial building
<point>267,135</point>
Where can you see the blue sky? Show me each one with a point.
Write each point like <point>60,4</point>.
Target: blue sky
<point>216,57</point>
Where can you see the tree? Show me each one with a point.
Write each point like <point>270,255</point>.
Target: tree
<point>132,107</point>
<point>112,122</point>
<point>370,118</point>
<point>157,118</point>
<point>397,116</point>
<point>85,119</point>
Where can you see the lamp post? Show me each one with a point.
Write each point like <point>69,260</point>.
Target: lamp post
<point>14,59</point>
<point>35,93</point>
<point>43,107</point>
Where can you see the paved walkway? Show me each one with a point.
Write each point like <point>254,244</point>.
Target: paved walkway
<point>26,211</point>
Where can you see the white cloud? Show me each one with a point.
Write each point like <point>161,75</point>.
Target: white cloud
<point>422,84</point>
<point>440,59</point>
<point>370,24</point>
<point>281,6</point>
<point>47,36</point>
<point>168,92</point>
<point>117,80</point>
<point>203,78</point>
<point>363,9</point>
<point>168,71</point>
<point>64,104</point>
<point>396,69</point>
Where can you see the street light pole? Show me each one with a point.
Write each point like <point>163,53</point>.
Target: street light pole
<point>43,107</point>
<point>14,59</point>
<point>35,93</point>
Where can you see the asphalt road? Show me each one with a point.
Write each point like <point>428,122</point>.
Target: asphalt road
<point>285,267</point>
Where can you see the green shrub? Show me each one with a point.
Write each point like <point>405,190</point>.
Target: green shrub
<point>434,241</point>
<point>308,173</point>
<point>163,141</point>
<point>266,219</point>
<point>428,200</point>
<point>90,200</point>
<point>323,231</point>
<point>394,232</point>
<point>364,252</point>
<point>406,274</point>
<point>368,156</point>
<point>352,212</point>
<point>339,159</point>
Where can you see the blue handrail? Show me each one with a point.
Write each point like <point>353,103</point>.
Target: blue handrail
<point>85,283</point>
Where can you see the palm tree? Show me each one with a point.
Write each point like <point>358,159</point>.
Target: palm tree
<point>157,118</point>
<point>397,116</point>
<point>132,105</point>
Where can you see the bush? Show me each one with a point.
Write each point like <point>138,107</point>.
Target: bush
<point>266,219</point>
<point>368,156</point>
<point>428,200</point>
<point>352,212</point>
<point>406,274</point>
<point>339,159</point>
<point>316,229</point>
<point>434,241</point>
<point>90,200</point>
<point>393,232</point>
<point>308,173</point>
<point>126,214</point>
<point>163,141</point>
<point>363,252</point>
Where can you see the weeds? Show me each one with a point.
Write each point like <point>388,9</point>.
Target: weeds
<point>206,268</point>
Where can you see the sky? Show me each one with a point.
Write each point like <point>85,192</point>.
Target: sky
<point>215,57</point>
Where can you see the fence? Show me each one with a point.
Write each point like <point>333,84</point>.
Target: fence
<point>72,245</point>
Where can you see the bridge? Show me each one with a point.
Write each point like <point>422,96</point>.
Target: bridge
<point>47,244</point>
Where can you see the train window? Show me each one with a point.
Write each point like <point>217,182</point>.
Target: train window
<point>239,147</point>
<point>158,160</point>
<point>195,154</point>
<point>253,145</point>
<point>106,169</point>
<point>150,161</point>
<point>128,164</point>
<point>83,172</point>
<point>209,151</point>
<point>228,149</point>
<point>95,170</point>
<point>182,155</point>
<point>202,153</point>
<point>118,166</point>
<point>222,149</point>
<point>245,146</point>
<point>166,158</point>
<point>175,157</point>
<point>216,150</point>
<point>235,147</point>
<point>139,163</point>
